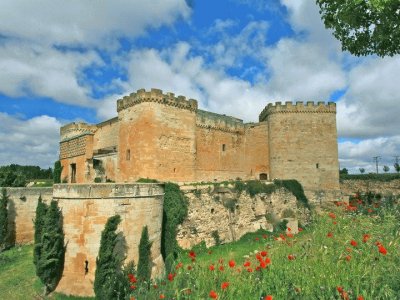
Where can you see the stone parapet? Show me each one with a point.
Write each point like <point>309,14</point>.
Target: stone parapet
<point>156,95</point>
<point>209,120</point>
<point>298,107</point>
<point>73,130</point>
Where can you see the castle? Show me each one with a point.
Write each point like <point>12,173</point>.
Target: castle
<point>168,138</point>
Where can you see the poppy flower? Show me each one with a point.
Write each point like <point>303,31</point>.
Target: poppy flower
<point>132,278</point>
<point>224,285</point>
<point>257,239</point>
<point>353,243</point>
<point>250,270</point>
<point>382,250</point>
<point>268,297</point>
<point>332,215</point>
<point>155,286</point>
<point>213,294</point>
<point>162,296</point>
<point>348,257</point>
<point>289,229</point>
<point>192,254</point>
<point>366,237</point>
<point>232,263</point>
<point>300,229</point>
<point>264,236</point>
<point>334,222</point>
<point>263,264</point>
<point>339,289</point>
<point>133,287</point>
<point>291,257</point>
<point>246,264</point>
<point>211,267</point>
<point>171,276</point>
<point>264,253</point>
<point>267,260</point>
<point>330,234</point>
<point>221,268</point>
<point>360,297</point>
<point>179,265</point>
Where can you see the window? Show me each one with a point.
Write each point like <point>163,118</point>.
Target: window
<point>128,154</point>
<point>263,176</point>
<point>73,173</point>
<point>317,165</point>
<point>223,147</point>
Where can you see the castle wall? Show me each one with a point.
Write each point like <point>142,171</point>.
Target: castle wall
<point>22,210</point>
<point>86,208</point>
<point>256,151</point>
<point>303,144</point>
<point>156,137</point>
<point>106,135</point>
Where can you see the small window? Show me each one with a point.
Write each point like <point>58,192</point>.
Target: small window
<point>263,176</point>
<point>73,173</point>
<point>317,165</point>
<point>223,147</point>
<point>174,170</point>
<point>128,154</point>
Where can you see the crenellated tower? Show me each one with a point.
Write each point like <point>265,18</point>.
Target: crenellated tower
<point>302,141</point>
<point>156,136</point>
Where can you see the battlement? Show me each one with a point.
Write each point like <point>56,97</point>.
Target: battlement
<point>156,95</point>
<point>73,130</point>
<point>298,107</point>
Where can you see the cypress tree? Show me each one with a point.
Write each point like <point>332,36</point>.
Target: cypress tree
<point>107,282</point>
<point>41,210</point>
<point>144,263</point>
<point>50,261</point>
<point>3,219</point>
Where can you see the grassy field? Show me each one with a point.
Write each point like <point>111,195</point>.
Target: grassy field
<point>349,252</point>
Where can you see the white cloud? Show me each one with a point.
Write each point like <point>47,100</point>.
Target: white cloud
<point>29,142</point>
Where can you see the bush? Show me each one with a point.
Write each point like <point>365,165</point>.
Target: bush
<point>255,187</point>
<point>376,177</point>
<point>50,251</point>
<point>39,222</point>
<point>144,264</point>
<point>3,219</point>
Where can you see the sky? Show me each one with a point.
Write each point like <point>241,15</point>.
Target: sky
<point>67,61</point>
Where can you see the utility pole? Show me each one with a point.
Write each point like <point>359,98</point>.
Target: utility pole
<point>376,159</point>
<point>396,158</point>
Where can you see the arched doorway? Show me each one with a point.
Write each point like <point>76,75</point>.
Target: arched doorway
<point>263,176</point>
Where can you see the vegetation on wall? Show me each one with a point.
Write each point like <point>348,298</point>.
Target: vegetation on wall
<point>3,219</point>
<point>51,250</point>
<point>144,264</point>
<point>175,212</point>
<point>295,188</point>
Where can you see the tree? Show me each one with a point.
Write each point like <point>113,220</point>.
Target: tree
<point>386,169</point>
<point>3,219</point>
<point>39,222</point>
<point>144,264</point>
<point>364,26</point>
<point>57,172</point>
<point>109,282</point>
<point>344,171</point>
<point>397,167</point>
<point>362,170</point>
<point>51,249</point>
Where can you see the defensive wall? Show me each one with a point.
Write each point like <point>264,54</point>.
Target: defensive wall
<point>168,138</point>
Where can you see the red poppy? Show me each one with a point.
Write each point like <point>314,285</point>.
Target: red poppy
<point>162,296</point>
<point>179,265</point>
<point>224,285</point>
<point>257,239</point>
<point>213,294</point>
<point>289,235</point>
<point>353,243</point>
<point>330,234</point>
<point>360,297</point>
<point>366,237</point>
<point>332,215</point>
<point>246,264</point>
<point>258,256</point>
<point>370,210</point>
<point>221,268</point>
<point>267,260</point>
<point>132,278</point>
<point>289,229</point>
<point>263,264</point>
<point>348,257</point>
<point>232,263</point>
<point>291,257</point>
<point>249,270</point>
<point>132,287</point>
<point>211,268</point>
<point>171,276</point>
<point>300,229</point>
<point>382,250</point>
<point>269,297</point>
<point>264,236</point>
<point>339,289</point>
<point>334,222</point>
<point>264,253</point>
<point>192,254</point>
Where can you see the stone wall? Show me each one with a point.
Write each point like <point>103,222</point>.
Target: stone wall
<point>106,135</point>
<point>22,209</point>
<point>86,209</point>
<point>350,187</point>
<point>208,212</point>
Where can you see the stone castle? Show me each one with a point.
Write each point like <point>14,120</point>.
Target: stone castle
<point>168,138</point>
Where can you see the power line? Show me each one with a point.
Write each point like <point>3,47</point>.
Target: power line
<point>376,159</point>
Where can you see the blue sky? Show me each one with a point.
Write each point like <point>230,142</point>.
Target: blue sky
<point>64,61</point>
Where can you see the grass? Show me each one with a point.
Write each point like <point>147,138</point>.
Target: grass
<point>310,265</point>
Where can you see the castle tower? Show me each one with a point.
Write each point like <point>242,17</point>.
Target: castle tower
<point>156,136</point>
<point>303,143</point>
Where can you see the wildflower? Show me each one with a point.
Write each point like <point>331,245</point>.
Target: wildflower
<point>264,236</point>
<point>171,276</point>
<point>291,257</point>
<point>353,243</point>
<point>257,239</point>
<point>382,250</point>
<point>339,289</point>
<point>348,257</point>
<point>246,264</point>
<point>133,287</point>
<point>366,237</point>
<point>289,229</point>
<point>224,285</point>
<point>162,296</point>
<point>264,253</point>
<point>289,235</point>
<point>250,270</point>
<point>179,265</point>
<point>334,222</point>
<point>360,297</point>
<point>211,267</point>
<point>132,278</point>
<point>267,260</point>
<point>269,297</point>
<point>329,235</point>
<point>300,230</point>
<point>232,263</point>
<point>263,264</point>
<point>132,298</point>
<point>370,210</point>
<point>192,254</point>
<point>221,268</point>
<point>332,215</point>
<point>213,294</point>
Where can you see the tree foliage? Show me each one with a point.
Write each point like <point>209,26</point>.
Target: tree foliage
<point>362,170</point>
<point>397,167</point>
<point>51,249</point>
<point>16,176</point>
<point>39,222</point>
<point>110,282</point>
<point>144,264</point>
<point>386,169</point>
<point>57,172</point>
<point>3,219</point>
<point>364,26</point>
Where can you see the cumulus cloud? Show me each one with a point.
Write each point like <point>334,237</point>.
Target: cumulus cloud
<point>29,142</point>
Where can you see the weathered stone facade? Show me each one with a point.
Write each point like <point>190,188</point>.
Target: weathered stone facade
<point>165,137</point>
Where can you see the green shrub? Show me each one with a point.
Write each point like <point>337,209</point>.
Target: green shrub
<point>295,188</point>
<point>51,250</point>
<point>57,172</point>
<point>97,180</point>
<point>230,204</point>
<point>175,212</point>
<point>254,187</point>
<point>3,219</point>
<point>376,177</point>
<point>239,186</point>
<point>144,264</point>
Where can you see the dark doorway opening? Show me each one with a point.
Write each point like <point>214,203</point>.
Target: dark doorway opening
<point>263,176</point>
<point>73,173</point>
